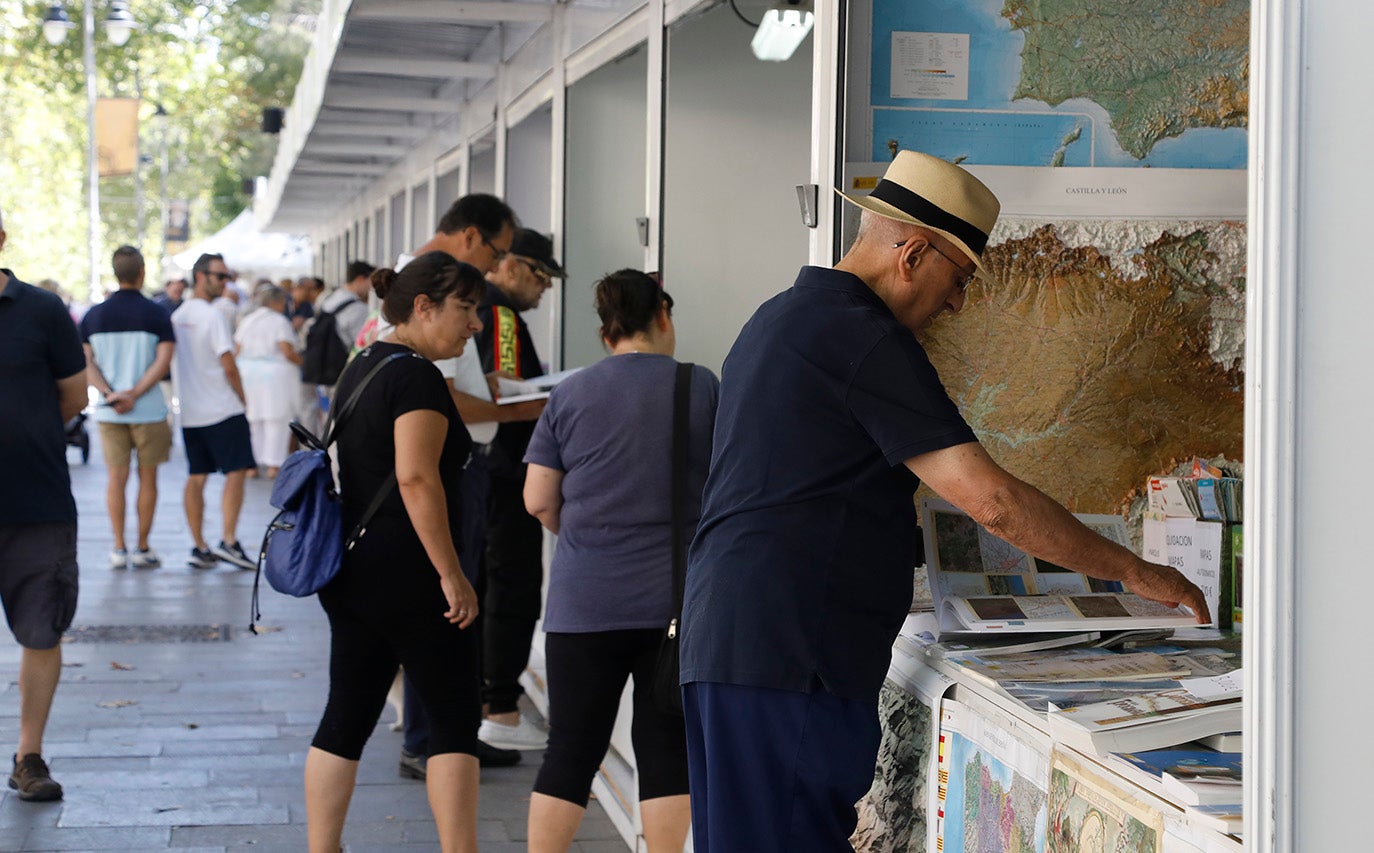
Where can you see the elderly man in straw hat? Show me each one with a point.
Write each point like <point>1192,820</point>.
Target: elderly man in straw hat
<point>800,575</point>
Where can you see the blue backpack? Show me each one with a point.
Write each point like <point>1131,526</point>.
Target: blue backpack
<point>304,545</point>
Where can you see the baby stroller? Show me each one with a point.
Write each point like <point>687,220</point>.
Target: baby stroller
<point>78,437</point>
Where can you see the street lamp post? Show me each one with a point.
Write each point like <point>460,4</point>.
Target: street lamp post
<point>119,25</point>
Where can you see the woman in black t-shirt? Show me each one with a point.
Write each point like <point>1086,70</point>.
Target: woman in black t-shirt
<point>400,597</point>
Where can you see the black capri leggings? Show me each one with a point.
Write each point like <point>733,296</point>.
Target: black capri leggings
<point>586,676</point>
<point>379,621</point>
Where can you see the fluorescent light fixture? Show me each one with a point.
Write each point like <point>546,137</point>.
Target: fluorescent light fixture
<point>782,29</point>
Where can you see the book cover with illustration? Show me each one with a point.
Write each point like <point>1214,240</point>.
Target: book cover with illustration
<point>1088,813</point>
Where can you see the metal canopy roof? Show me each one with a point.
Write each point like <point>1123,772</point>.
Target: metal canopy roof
<point>382,76</point>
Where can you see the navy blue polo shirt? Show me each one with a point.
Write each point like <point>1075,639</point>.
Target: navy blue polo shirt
<point>38,346</point>
<point>802,564</point>
<point>124,332</point>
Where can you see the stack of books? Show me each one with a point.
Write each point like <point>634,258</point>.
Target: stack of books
<point>1194,708</point>
<point>1205,782</point>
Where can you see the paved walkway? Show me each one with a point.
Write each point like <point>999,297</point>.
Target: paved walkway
<point>200,745</point>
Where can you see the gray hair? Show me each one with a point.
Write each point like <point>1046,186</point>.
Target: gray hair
<point>269,294</point>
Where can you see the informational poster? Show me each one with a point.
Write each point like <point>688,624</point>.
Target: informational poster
<point>930,65</point>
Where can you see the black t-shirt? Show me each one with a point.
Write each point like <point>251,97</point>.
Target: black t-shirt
<point>39,345</point>
<point>367,440</point>
<point>802,564</point>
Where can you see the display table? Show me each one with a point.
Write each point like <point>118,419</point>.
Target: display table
<point>963,767</point>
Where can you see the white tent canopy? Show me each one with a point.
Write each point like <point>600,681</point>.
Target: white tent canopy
<point>251,253</point>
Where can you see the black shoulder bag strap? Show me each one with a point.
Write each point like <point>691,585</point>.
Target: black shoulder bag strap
<point>682,395</point>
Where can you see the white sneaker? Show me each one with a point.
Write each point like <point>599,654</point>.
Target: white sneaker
<point>145,559</point>
<point>119,558</point>
<point>524,735</point>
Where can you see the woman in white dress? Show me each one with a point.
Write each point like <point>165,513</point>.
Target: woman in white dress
<point>270,366</point>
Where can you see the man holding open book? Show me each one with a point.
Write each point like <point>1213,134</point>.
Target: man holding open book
<point>800,576</point>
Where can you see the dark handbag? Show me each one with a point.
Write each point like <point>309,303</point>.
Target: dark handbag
<point>666,689</point>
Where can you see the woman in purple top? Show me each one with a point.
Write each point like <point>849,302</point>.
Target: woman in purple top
<point>600,477</point>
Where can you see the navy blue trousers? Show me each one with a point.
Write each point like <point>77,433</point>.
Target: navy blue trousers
<point>476,483</point>
<point>775,770</point>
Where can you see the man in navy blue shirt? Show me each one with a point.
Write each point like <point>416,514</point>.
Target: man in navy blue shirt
<point>129,344</point>
<point>42,386</point>
<point>800,575</point>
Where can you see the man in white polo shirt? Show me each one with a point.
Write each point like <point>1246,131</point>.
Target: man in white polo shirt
<point>477,229</point>
<point>213,425</point>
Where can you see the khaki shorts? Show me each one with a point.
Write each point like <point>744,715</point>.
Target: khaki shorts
<point>153,442</point>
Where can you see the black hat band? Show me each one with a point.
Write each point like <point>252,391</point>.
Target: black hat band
<point>929,213</point>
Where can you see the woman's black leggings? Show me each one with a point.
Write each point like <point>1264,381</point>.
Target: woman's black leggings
<point>381,619</point>
<point>586,677</point>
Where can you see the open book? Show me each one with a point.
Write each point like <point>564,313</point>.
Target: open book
<point>537,388</point>
<point>981,583</point>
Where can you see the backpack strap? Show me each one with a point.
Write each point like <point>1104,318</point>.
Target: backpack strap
<point>385,490</point>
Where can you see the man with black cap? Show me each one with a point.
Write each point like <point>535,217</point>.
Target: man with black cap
<point>800,575</point>
<point>515,564</point>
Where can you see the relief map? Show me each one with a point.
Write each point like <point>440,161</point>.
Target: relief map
<point>1109,350</point>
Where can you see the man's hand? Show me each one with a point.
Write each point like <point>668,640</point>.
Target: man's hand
<point>121,401</point>
<point>494,381</point>
<point>1165,585</point>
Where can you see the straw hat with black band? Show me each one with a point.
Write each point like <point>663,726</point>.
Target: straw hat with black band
<point>935,194</point>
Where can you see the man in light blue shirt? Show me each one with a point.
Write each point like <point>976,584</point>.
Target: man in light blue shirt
<point>129,344</point>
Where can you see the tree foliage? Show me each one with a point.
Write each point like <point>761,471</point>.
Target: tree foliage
<point>211,64</point>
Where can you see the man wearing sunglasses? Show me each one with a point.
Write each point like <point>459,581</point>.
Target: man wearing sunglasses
<point>214,426</point>
<point>515,565</point>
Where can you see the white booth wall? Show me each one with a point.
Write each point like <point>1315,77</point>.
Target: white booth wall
<point>397,223</point>
<point>446,191</point>
<point>605,193</point>
<point>420,210</point>
<point>483,166</point>
<point>736,144</point>
<point>529,171</point>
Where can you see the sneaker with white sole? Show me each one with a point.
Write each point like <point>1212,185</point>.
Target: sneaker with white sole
<point>202,558</point>
<point>145,558</point>
<point>233,554</point>
<point>523,735</point>
<point>119,558</point>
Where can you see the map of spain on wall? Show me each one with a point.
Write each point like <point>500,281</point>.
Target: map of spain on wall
<point>1160,83</point>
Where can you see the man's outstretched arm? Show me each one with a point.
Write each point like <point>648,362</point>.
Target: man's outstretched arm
<point>1026,517</point>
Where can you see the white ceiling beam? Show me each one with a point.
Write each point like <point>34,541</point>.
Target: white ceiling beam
<point>404,66</point>
<point>304,168</point>
<point>356,99</point>
<point>447,12</point>
<point>360,148</point>
<point>373,131</point>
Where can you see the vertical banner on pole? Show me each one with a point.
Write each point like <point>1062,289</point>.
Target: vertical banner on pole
<point>116,135</point>
<point>177,229</point>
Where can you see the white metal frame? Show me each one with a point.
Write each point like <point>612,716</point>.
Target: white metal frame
<point>1271,381</point>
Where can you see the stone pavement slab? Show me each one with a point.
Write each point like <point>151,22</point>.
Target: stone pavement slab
<point>201,745</point>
